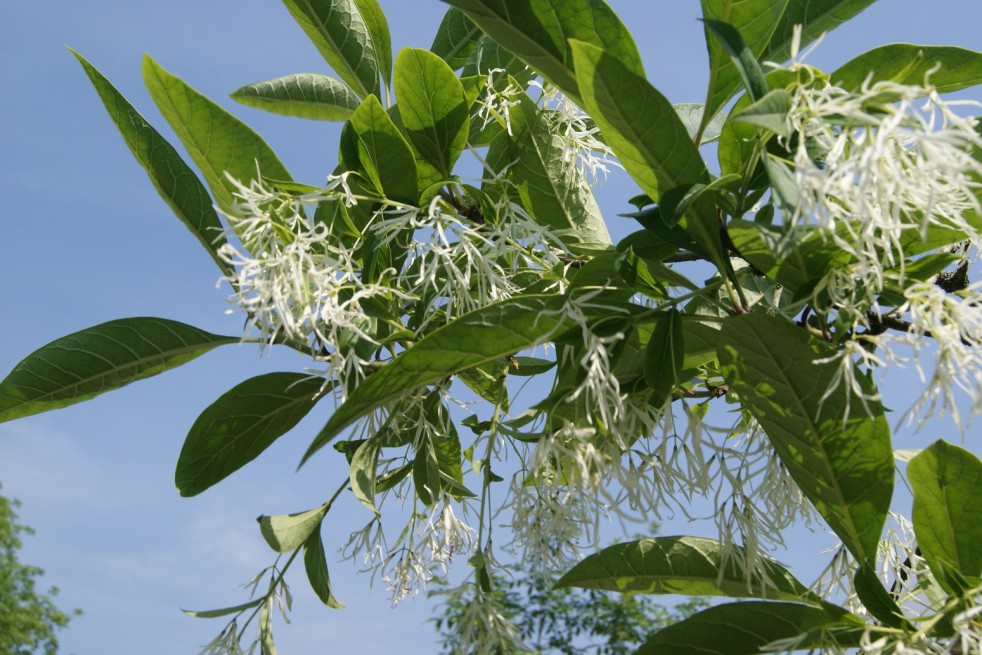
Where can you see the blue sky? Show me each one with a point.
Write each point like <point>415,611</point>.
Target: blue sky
<point>87,240</point>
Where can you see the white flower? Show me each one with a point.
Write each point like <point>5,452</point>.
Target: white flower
<point>480,628</point>
<point>948,328</point>
<point>460,265</point>
<point>875,164</point>
<point>494,105</point>
<point>579,135</point>
<point>295,280</point>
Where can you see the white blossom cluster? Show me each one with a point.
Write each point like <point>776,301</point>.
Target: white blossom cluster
<point>881,170</point>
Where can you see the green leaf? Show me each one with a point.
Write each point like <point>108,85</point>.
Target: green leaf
<point>101,358</point>
<point>691,114</point>
<point>485,382</point>
<point>539,32</point>
<point>433,107</point>
<point>951,69</point>
<point>455,38</point>
<point>947,484</point>
<point>782,181</point>
<point>481,336</point>
<point>342,36</point>
<point>426,473</point>
<point>692,566</point>
<point>363,472</point>
<point>304,95</point>
<point>744,628</point>
<point>770,112</point>
<point>878,600</point>
<point>384,154</point>
<point>552,188</point>
<point>225,611</point>
<point>218,142</point>
<point>815,17</point>
<point>741,55</point>
<point>839,456</point>
<point>378,31</point>
<point>664,355</point>
<point>528,366</point>
<point>730,60</point>
<point>643,130</point>
<point>315,563</point>
<point>174,180</point>
<point>241,424</point>
<point>287,532</point>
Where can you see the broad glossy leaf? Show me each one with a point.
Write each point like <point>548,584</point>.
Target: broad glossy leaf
<point>304,95</point>
<point>378,31</point>
<point>692,566</point>
<point>754,21</point>
<point>101,358</point>
<point>815,17</point>
<point>643,130</point>
<point>947,485</point>
<point>553,188</point>
<point>538,31</point>
<point>484,335</point>
<point>664,355</point>
<point>218,142</point>
<point>340,33</point>
<point>383,152</point>
<point>950,68</point>
<point>315,564</point>
<point>744,628</point>
<point>287,532</point>
<point>363,472</point>
<point>433,107</point>
<point>455,38</point>
<point>174,180</point>
<point>241,424</point>
<point>839,456</point>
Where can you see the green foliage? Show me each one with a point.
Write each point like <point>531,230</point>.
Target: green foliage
<point>841,230</point>
<point>29,618</point>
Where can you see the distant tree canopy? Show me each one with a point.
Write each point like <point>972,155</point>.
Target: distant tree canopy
<point>29,619</point>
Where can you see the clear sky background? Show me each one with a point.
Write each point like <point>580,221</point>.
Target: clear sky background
<point>86,239</point>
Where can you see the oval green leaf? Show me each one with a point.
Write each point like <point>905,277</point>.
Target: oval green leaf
<point>664,356</point>
<point>240,425</point>
<point>552,188</point>
<point>218,142</point>
<point>644,131</point>
<point>315,564</point>
<point>174,180</point>
<point>383,153</point>
<point>287,532</point>
<point>839,456</point>
<point>951,69</point>
<point>947,485</point>
<point>303,95</point>
<point>433,107</point>
<point>692,566</point>
<point>539,32</point>
<point>99,359</point>
<point>744,628</point>
<point>340,33</point>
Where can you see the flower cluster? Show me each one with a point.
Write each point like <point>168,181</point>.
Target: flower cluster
<point>294,278</point>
